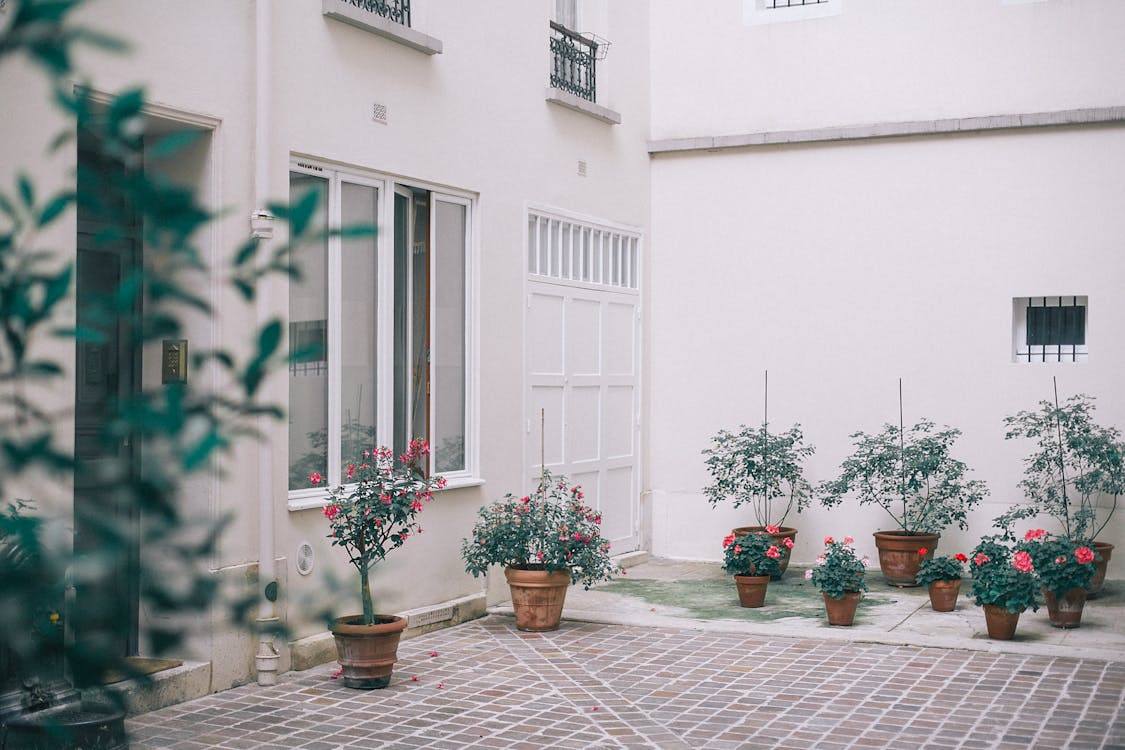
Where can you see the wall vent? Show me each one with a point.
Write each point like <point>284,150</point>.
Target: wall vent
<point>581,168</point>
<point>379,113</point>
<point>441,614</point>
<point>305,559</point>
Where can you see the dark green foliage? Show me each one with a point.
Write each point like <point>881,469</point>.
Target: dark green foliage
<point>998,581</point>
<point>948,568</point>
<point>839,570</point>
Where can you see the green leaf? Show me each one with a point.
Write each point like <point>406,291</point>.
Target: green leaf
<point>27,191</point>
<point>172,144</point>
<point>57,288</point>
<point>244,288</point>
<point>269,339</point>
<point>124,106</point>
<point>202,450</point>
<point>43,368</point>
<point>246,252</point>
<point>55,208</point>
<point>302,212</point>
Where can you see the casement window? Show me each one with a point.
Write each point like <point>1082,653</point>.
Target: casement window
<point>1049,329</point>
<point>758,12</point>
<point>379,326</point>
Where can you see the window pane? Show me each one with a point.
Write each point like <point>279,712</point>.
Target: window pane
<point>358,294</point>
<point>449,331</point>
<point>420,321</point>
<point>402,320</point>
<point>308,373</point>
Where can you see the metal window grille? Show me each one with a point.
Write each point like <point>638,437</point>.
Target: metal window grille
<point>771,4</point>
<point>573,62</point>
<point>575,251</point>
<point>1051,329</point>
<point>397,11</point>
<point>308,347</point>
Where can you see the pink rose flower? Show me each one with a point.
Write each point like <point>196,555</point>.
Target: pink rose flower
<point>980,559</point>
<point>848,540</point>
<point>828,540</point>
<point>316,478</point>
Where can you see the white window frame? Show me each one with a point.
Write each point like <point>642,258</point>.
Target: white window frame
<point>336,175</point>
<point>1022,353</point>
<point>759,12</point>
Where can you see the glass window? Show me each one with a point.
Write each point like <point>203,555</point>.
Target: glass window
<point>359,285</point>
<point>450,232</point>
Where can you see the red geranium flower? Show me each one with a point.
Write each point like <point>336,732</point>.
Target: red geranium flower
<point>922,551</point>
<point>1084,555</point>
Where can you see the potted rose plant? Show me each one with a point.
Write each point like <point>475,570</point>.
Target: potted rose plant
<point>1004,584</point>
<point>1075,473</point>
<point>1065,569</point>
<point>752,558</point>
<point>370,516</point>
<point>910,474</point>
<point>545,541</point>
<point>943,577</point>
<point>764,470</point>
<point>839,574</point>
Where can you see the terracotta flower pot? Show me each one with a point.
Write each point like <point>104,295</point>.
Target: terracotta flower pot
<point>783,533</point>
<point>943,595</point>
<point>367,653</point>
<point>898,555</point>
<point>841,611</point>
<point>537,597</point>
<point>752,590</point>
<point>1065,611</point>
<point>1104,551</point>
<point>1000,622</point>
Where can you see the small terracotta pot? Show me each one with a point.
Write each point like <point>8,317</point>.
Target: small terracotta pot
<point>898,555</point>
<point>537,597</point>
<point>752,590</point>
<point>1001,622</point>
<point>841,611</point>
<point>367,653</point>
<point>1104,551</point>
<point>1065,611</point>
<point>943,595</point>
<point>783,533</point>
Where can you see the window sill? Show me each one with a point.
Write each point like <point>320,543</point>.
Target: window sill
<point>344,11</point>
<point>578,104</point>
<point>309,499</point>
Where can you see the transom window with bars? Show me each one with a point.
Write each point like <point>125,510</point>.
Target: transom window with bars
<point>576,251</point>
<point>1050,329</point>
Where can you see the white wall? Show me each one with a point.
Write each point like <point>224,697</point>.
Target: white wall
<point>840,268</point>
<point>880,60</point>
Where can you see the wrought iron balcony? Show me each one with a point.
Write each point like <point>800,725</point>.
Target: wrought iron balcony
<point>397,11</point>
<point>573,61</point>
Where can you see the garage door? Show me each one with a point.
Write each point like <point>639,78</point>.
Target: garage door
<point>583,366</point>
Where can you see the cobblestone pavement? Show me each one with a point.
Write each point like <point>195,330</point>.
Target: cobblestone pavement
<point>485,685</point>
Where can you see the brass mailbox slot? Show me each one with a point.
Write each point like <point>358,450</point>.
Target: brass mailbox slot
<point>174,361</point>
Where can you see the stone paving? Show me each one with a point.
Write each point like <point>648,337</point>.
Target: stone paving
<point>588,685</point>
<point>670,661</point>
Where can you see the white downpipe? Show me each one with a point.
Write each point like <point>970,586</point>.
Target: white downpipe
<point>261,223</point>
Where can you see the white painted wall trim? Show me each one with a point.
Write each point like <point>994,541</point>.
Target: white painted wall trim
<point>344,11</point>
<point>578,104</point>
<point>1060,118</point>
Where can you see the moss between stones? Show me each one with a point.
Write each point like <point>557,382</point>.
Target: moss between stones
<point>717,599</point>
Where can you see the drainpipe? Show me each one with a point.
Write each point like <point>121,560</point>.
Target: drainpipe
<point>261,224</point>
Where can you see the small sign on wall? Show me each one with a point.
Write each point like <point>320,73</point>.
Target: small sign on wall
<point>174,361</point>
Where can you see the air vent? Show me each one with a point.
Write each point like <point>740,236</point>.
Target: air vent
<point>379,113</point>
<point>305,558</point>
<point>581,168</point>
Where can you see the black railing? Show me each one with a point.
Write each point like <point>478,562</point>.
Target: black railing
<point>573,59</point>
<point>392,10</point>
<point>770,4</point>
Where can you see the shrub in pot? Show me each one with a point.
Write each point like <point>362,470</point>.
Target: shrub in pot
<point>545,541</point>
<point>942,576</point>
<point>840,576</point>
<point>1004,584</point>
<point>1065,569</point>
<point>764,470</point>
<point>752,558</point>
<point>1076,464</point>
<point>910,474</point>
<point>375,513</point>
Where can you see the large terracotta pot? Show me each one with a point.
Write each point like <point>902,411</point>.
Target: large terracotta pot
<point>1000,622</point>
<point>943,595</point>
<point>898,555</point>
<point>367,653</point>
<point>783,533</point>
<point>1104,551</point>
<point>841,611</point>
<point>752,590</point>
<point>537,597</point>
<point>1065,611</point>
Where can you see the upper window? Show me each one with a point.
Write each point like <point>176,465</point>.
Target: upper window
<point>379,326</point>
<point>757,12</point>
<point>1049,329</point>
<point>390,19</point>
<point>563,248</point>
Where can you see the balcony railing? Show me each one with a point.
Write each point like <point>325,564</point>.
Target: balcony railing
<point>573,59</point>
<point>397,11</point>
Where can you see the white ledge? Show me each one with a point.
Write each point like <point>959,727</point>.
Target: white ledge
<point>1067,117</point>
<point>318,497</point>
<point>578,104</point>
<point>344,11</point>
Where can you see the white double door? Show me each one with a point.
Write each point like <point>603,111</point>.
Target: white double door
<point>583,398</point>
